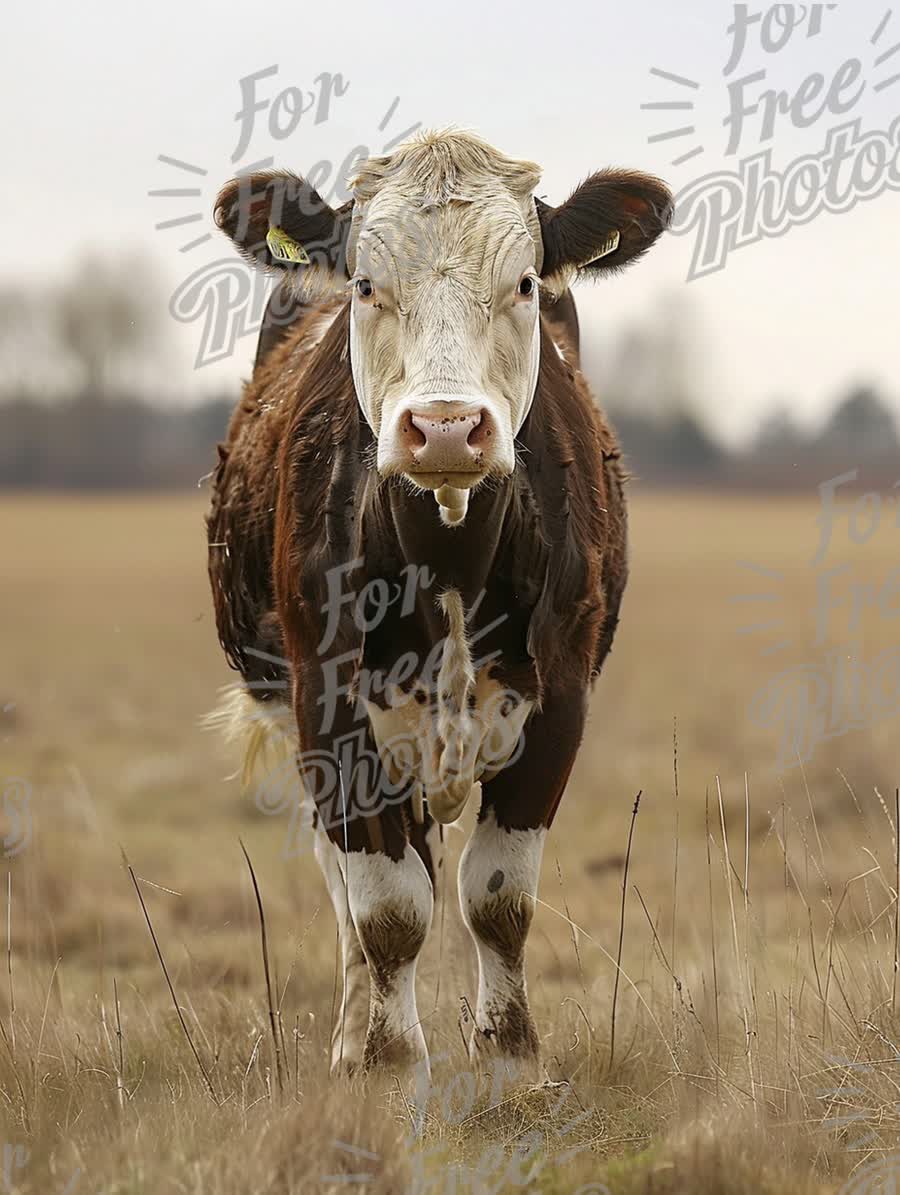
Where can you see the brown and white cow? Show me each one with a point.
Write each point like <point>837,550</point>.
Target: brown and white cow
<point>420,438</point>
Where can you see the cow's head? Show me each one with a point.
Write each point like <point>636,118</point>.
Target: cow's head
<point>447,255</point>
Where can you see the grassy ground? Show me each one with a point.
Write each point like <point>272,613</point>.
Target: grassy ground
<point>755,1018</point>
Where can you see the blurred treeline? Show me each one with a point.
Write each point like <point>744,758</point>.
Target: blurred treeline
<point>93,392</point>
<point>93,397</point>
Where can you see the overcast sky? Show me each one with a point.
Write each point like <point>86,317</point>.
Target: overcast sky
<point>95,92</point>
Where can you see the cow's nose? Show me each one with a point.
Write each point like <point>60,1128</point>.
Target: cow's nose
<point>446,436</point>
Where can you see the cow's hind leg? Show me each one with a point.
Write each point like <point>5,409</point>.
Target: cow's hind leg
<point>349,1032</point>
<point>266,733</point>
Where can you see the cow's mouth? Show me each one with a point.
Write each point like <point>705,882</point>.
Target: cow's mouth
<point>456,479</point>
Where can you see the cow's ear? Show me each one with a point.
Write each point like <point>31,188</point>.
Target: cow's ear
<point>279,221</point>
<point>610,220</point>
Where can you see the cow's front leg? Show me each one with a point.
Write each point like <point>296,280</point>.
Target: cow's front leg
<point>391,902</point>
<point>386,884</point>
<point>498,880</point>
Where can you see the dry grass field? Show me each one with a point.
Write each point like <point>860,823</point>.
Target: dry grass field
<point>756,1015</point>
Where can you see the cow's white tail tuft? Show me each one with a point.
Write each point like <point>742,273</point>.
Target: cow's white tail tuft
<point>265,731</point>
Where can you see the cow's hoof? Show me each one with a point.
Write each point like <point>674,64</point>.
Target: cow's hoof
<point>345,1068</point>
<point>518,1065</point>
<point>398,1052</point>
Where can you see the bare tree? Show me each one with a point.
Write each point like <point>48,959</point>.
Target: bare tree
<point>108,317</point>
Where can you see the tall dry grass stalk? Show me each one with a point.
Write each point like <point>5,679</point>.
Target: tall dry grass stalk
<point>615,997</point>
<point>274,1020</point>
<point>162,962</point>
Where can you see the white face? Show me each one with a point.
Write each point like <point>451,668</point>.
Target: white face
<point>445,337</point>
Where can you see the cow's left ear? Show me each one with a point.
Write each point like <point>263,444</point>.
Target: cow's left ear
<point>610,220</point>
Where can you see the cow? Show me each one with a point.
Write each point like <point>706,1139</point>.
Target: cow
<point>417,546</point>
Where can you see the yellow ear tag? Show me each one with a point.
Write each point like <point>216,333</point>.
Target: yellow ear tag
<point>610,245</point>
<point>285,248</point>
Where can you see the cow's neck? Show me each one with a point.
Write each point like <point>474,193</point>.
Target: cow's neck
<point>459,557</point>
<point>450,675</point>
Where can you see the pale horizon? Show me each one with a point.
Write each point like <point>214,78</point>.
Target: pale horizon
<point>796,319</point>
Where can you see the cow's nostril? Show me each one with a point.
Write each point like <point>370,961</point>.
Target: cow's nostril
<point>413,434</point>
<point>481,432</point>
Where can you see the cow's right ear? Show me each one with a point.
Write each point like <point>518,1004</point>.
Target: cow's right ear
<point>279,221</point>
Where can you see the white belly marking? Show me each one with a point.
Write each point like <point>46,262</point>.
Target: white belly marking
<point>410,737</point>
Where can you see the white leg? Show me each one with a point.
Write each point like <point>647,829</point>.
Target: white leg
<point>435,838</point>
<point>498,879</point>
<point>349,1035</point>
<point>268,735</point>
<point>391,904</point>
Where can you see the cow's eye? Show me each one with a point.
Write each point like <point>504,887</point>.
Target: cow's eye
<point>364,288</point>
<point>526,287</point>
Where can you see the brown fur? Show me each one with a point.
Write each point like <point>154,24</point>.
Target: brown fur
<point>522,594</point>
<point>295,495</point>
<point>637,206</point>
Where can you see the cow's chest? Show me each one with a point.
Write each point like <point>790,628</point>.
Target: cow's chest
<point>446,737</point>
<point>450,710</point>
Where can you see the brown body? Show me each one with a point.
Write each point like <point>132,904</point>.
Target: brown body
<point>293,496</point>
<point>435,427</point>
